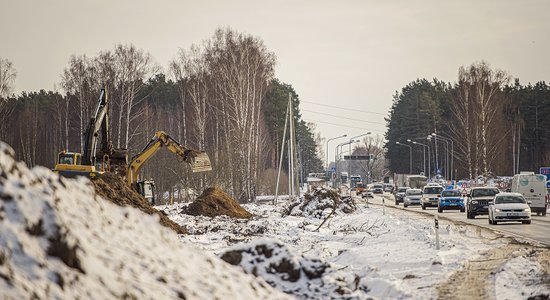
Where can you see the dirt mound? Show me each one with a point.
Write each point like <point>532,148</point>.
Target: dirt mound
<point>215,202</point>
<point>319,203</point>
<point>113,188</point>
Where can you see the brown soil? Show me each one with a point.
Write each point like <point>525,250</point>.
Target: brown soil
<point>113,188</point>
<point>215,202</point>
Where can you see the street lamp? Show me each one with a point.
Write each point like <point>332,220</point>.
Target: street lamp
<point>334,138</point>
<point>358,136</point>
<point>424,154</point>
<point>448,174</point>
<point>337,157</point>
<point>447,139</point>
<point>436,161</point>
<point>410,156</point>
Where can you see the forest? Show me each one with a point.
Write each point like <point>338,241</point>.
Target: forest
<point>220,96</point>
<point>489,124</point>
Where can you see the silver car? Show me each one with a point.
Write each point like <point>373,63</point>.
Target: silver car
<point>509,207</point>
<point>412,197</point>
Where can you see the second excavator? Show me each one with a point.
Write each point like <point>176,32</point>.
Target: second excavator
<point>198,160</point>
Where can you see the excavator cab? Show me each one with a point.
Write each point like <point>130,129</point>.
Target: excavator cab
<point>147,189</point>
<point>69,164</point>
<point>69,158</point>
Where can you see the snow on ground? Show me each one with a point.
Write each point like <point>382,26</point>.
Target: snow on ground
<point>518,279</point>
<point>60,241</point>
<point>393,255</point>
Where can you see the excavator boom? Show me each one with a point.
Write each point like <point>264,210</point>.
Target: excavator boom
<point>198,160</point>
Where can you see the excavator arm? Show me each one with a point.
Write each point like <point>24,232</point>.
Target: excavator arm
<point>97,122</point>
<point>199,160</point>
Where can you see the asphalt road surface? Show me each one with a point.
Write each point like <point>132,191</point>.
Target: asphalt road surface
<point>538,230</point>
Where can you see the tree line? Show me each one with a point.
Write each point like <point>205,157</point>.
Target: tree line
<point>220,96</point>
<point>492,126</point>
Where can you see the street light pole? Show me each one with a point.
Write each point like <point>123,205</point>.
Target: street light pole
<point>446,140</point>
<point>453,173</point>
<point>337,157</point>
<point>410,156</point>
<point>353,138</point>
<point>423,154</point>
<point>334,138</point>
<point>337,162</point>
<point>436,162</point>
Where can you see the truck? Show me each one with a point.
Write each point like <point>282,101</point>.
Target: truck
<point>410,180</point>
<point>416,181</point>
<point>344,177</point>
<point>400,180</point>
<point>354,179</point>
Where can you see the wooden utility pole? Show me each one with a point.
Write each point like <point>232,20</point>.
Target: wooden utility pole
<point>281,157</point>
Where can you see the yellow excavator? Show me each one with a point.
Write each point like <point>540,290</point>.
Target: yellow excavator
<point>93,161</point>
<point>198,160</point>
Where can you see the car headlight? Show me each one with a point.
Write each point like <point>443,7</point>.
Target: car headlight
<point>527,210</point>
<point>474,202</point>
<point>497,210</point>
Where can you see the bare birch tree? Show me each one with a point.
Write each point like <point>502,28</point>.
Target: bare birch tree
<point>133,68</point>
<point>79,79</point>
<point>243,68</point>
<point>7,79</point>
<point>478,104</point>
<point>461,130</point>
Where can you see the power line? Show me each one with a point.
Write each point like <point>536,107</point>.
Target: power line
<point>316,112</point>
<point>339,107</point>
<point>347,126</point>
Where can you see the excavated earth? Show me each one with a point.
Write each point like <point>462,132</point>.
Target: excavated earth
<point>113,188</point>
<point>215,202</point>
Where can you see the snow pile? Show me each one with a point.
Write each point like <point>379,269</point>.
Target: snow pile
<point>320,203</point>
<point>521,278</point>
<point>60,241</point>
<point>303,277</point>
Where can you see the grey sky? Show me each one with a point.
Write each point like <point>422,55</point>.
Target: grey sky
<point>353,54</point>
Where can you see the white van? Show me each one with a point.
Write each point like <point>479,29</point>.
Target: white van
<point>533,188</point>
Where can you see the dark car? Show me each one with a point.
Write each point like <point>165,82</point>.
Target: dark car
<point>400,194</point>
<point>479,200</point>
<point>378,189</point>
<point>450,199</point>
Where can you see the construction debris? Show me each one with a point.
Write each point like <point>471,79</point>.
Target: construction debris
<point>113,188</point>
<point>319,203</point>
<point>215,202</point>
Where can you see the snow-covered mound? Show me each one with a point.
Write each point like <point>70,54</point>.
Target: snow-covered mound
<point>58,240</point>
<point>321,202</point>
<point>303,277</point>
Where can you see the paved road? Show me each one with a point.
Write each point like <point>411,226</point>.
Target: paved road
<point>538,230</point>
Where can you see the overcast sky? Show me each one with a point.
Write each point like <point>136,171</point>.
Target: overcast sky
<point>345,54</point>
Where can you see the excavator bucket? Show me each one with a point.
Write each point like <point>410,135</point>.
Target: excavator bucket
<point>200,162</point>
